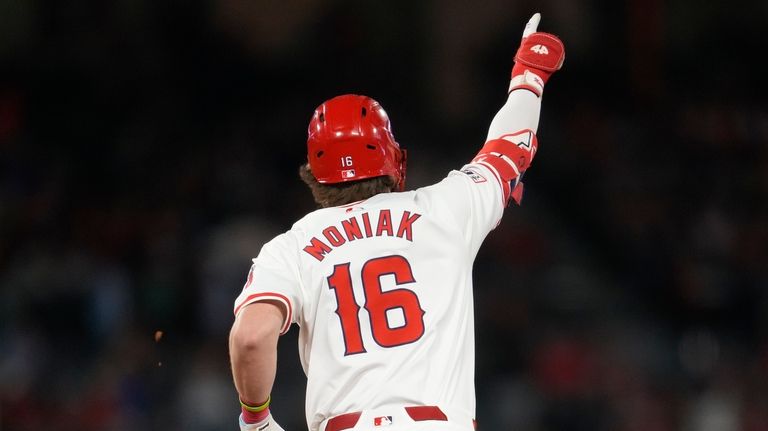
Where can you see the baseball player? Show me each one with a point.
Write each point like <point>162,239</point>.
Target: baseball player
<point>379,280</point>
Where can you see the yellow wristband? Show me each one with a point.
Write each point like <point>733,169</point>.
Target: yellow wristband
<point>256,409</point>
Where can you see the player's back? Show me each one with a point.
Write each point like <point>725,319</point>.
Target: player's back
<point>389,288</point>
<point>382,291</point>
<point>387,313</point>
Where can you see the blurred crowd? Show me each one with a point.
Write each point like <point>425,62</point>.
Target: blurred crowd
<point>148,150</point>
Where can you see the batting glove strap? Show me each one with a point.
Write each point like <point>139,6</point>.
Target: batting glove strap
<point>541,51</point>
<point>527,80</point>
<point>539,56</point>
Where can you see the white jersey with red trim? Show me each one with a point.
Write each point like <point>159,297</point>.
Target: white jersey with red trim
<point>382,289</point>
<point>382,292</point>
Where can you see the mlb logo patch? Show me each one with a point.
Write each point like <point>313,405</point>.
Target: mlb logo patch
<point>349,173</point>
<point>382,421</point>
<point>475,176</point>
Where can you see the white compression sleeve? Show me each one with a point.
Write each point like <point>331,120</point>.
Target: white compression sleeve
<point>520,112</point>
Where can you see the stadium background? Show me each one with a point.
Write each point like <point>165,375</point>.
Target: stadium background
<point>148,149</point>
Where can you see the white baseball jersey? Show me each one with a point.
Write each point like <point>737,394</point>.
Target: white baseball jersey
<point>382,292</point>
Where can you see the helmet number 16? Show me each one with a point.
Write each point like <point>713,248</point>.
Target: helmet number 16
<point>346,161</point>
<point>377,303</point>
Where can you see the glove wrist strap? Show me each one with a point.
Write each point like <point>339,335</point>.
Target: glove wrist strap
<point>528,78</point>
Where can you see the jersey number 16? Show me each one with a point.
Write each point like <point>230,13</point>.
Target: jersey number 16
<point>377,303</point>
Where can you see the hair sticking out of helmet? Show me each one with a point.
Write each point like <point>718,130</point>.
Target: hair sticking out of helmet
<point>350,139</point>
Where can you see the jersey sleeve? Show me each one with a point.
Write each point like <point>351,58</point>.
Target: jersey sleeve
<point>470,199</point>
<point>474,198</point>
<point>274,276</point>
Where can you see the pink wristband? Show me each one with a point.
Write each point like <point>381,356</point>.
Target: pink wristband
<point>251,418</point>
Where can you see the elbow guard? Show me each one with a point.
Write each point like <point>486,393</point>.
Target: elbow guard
<point>509,156</point>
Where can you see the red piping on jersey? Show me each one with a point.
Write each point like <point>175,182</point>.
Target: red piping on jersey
<point>250,278</point>
<point>351,204</point>
<point>270,295</point>
<point>505,188</point>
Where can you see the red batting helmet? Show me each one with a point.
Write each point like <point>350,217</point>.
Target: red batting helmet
<point>350,139</point>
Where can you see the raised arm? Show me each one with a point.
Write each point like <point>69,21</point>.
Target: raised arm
<point>511,143</point>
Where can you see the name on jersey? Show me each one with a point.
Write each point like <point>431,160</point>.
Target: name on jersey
<point>362,226</point>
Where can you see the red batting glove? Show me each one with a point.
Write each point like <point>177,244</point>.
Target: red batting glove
<point>538,57</point>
